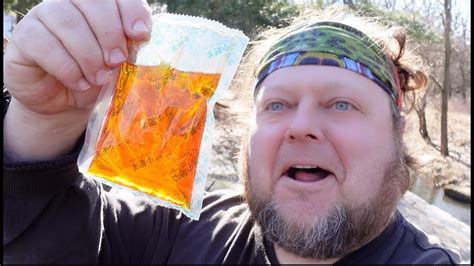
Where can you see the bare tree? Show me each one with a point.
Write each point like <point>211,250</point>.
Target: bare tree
<point>390,4</point>
<point>447,78</point>
<point>456,50</point>
<point>420,107</point>
<point>350,4</point>
<point>464,64</point>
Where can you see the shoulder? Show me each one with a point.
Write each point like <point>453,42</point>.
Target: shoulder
<point>223,211</point>
<point>417,247</point>
<point>222,196</point>
<point>223,203</point>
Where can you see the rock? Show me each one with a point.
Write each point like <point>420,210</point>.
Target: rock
<point>215,184</point>
<point>441,181</point>
<point>440,227</point>
<point>459,193</point>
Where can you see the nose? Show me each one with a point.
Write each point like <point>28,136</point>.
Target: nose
<point>305,126</point>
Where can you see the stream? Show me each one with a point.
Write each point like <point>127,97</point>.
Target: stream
<point>424,188</point>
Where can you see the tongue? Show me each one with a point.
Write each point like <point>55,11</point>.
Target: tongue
<point>307,176</point>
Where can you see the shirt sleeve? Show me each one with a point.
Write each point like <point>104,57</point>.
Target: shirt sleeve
<point>50,213</point>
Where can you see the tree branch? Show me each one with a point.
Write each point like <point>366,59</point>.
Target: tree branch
<point>436,82</point>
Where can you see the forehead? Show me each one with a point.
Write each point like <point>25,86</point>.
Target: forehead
<point>317,78</point>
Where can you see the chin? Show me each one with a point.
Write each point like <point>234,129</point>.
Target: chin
<point>302,218</point>
<point>303,211</point>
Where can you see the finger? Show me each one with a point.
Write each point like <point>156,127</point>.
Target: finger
<point>39,46</point>
<point>104,19</point>
<point>136,18</point>
<point>68,24</point>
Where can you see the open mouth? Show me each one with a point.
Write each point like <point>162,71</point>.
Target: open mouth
<point>307,173</point>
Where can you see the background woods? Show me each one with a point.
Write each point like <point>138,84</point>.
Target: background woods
<point>439,32</point>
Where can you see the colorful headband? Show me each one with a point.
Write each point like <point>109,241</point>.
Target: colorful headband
<point>333,44</point>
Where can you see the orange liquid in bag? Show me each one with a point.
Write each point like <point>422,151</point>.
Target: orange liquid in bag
<point>152,135</point>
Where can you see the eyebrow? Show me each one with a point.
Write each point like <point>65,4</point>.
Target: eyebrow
<point>279,89</point>
<point>332,85</point>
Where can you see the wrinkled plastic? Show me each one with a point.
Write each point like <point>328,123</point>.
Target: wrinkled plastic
<point>151,130</point>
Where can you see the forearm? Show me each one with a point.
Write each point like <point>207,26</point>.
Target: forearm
<point>29,136</point>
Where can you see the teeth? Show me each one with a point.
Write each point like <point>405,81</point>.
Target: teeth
<point>298,166</point>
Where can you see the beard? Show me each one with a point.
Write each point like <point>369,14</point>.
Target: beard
<point>344,228</point>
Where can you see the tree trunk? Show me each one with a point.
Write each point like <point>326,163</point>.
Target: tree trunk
<point>462,63</point>
<point>447,81</point>
<point>464,83</point>
<point>350,4</point>
<point>420,111</point>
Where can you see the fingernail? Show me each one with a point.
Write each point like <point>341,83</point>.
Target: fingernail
<point>102,76</point>
<point>139,26</point>
<point>116,56</point>
<point>84,85</point>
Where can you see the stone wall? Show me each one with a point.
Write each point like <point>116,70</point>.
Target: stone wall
<point>441,227</point>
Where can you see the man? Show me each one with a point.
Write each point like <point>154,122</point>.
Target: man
<point>324,165</point>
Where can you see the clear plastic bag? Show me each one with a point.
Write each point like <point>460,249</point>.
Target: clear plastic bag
<point>151,130</point>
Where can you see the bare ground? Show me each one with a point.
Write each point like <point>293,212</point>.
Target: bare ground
<point>451,171</point>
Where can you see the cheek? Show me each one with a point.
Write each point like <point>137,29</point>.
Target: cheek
<point>359,142</point>
<point>265,142</point>
<point>364,150</point>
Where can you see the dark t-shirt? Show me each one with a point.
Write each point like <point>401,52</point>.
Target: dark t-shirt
<point>52,214</point>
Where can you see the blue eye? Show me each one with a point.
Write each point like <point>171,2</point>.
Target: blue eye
<point>276,106</point>
<point>342,106</point>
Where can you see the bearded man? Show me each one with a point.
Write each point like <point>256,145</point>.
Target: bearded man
<point>324,164</point>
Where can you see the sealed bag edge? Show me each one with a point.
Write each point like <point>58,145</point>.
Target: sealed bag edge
<point>96,123</point>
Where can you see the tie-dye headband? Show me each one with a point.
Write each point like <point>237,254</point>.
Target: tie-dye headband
<point>333,44</point>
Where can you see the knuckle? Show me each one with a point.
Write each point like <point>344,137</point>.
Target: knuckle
<point>32,40</point>
<point>111,33</point>
<point>24,31</point>
<point>67,71</point>
<point>70,21</point>
<point>132,10</point>
<point>62,13</point>
<point>47,44</point>
<point>92,59</point>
